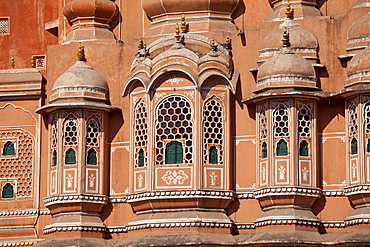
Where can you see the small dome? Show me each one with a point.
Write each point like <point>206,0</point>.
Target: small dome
<point>286,69</point>
<point>358,69</point>
<point>359,34</point>
<point>80,81</point>
<point>303,42</point>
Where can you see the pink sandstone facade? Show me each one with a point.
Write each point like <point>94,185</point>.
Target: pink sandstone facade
<point>185,123</point>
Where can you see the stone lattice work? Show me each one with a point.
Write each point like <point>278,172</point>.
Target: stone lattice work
<point>141,131</point>
<point>367,118</point>
<point>304,122</point>
<point>4,26</point>
<point>281,121</point>
<point>352,119</point>
<point>173,122</point>
<point>213,129</point>
<point>92,133</point>
<point>262,123</point>
<point>20,166</point>
<point>70,133</point>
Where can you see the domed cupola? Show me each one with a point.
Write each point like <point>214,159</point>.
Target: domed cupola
<point>201,14</point>
<point>302,9</point>
<point>358,70</point>
<point>90,19</point>
<point>302,42</point>
<point>80,83</point>
<point>358,35</point>
<point>286,69</point>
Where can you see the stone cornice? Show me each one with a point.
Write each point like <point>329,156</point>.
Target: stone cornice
<point>288,222</point>
<point>82,198</point>
<point>357,189</point>
<point>19,71</point>
<point>24,212</point>
<point>291,190</point>
<point>52,229</point>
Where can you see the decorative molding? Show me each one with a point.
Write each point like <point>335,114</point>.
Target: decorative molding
<point>333,192</point>
<point>244,195</point>
<point>26,212</point>
<point>47,230</point>
<point>288,222</point>
<point>19,71</point>
<point>245,226</point>
<point>118,199</point>
<point>28,242</point>
<point>357,189</point>
<point>287,190</point>
<point>85,198</point>
<point>179,224</point>
<point>333,224</point>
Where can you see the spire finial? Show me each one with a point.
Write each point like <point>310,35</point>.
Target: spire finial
<point>285,39</point>
<point>288,12</point>
<point>177,35</point>
<point>213,44</point>
<point>33,62</point>
<point>81,53</point>
<point>184,27</point>
<point>141,44</point>
<point>227,43</point>
<point>12,63</point>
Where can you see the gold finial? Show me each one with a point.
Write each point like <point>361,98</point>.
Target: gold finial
<point>184,27</point>
<point>213,44</point>
<point>144,46</point>
<point>227,43</point>
<point>33,62</point>
<point>141,44</point>
<point>12,64</point>
<point>288,12</point>
<point>285,39</point>
<point>81,53</point>
<point>177,35</point>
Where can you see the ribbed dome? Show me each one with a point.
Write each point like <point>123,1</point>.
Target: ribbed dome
<point>358,69</point>
<point>160,7</point>
<point>303,42</point>
<point>359,34</point>
<point>286,69</point>
<point>80,81</point>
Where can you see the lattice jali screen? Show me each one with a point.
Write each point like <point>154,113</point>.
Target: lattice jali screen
<point>281,121</point>
<point>141,131</point>
<point>4,25</point>
<point>174,122</point>
<point>304,122</point>
<point>213,129</point>
<point>19,167</point>
<point>92,133</point>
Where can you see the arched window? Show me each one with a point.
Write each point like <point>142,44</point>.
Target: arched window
<point>213,155</point>
<point>174,153</point>
<point>368,146</point>
<point>9,148</point>
<point>70,156</point>
<point>55,158</point>
<point>264,150</point>
<point>354,146</point>
<point>141,158</point>
<point>8,191</point>
<point>282,148</point>
<point>303,148</point>
<point>92,157</point>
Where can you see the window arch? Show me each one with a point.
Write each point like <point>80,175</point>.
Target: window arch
<point>303,148</point>
<point>54,158</point>
<point>70,157</point>
<point>213,155</point>
<point>264,150</point>
<point>354,146</point>
<point>174,153</point>
<point>8,191</point>
<point>282,148</point>
<point>174,122</point>
<point>213,117</point>
<point>92,158</point>
<point>9,148</point>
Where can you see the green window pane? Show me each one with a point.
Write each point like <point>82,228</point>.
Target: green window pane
<point>368,146</point>
<point>213,155</point>
<point>354,146</point>
<point>9,148</point>
<point>282,148</point>
<point>264,150</point>
<point>8,191</point>
<point>303,148</point>
<point>70,156</point>
<point>174,153</point>
<point>55,158</point>
<point>141,161</point>
<point>92,157</point>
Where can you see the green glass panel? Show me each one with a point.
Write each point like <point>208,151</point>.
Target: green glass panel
<point>213,156</point>
<point>354,146</point>
<point>141,162</point>
<point>282,148</point>
<point>264,150</point>
<point>174,153</point>
<point>70,156</point>
<point>368,146</point>
<point>55,158</point>
<point>8,148</point>
<point>92,157</point>
<point>303,148</point>
<point>8,191</point>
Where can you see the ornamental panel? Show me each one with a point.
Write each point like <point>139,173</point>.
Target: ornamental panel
<point>70,183</point>
<point>173,177</point>
<point>354,170</point>
<point>305,172</point>
<point>140,180</point>
<point>92,180</point>
<point>282,171</point>
<point>213,178</point>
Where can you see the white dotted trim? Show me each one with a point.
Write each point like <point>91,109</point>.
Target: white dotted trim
<point>272,191</point>
<point>75,198</point>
